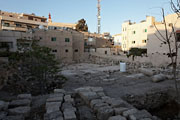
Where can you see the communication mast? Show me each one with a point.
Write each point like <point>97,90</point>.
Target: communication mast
<point>99,17</point>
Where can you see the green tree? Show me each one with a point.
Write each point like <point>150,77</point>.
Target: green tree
<point>82,26</point>
<point>37,69</point>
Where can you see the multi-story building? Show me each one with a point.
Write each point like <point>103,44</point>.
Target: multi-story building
<point>158,50</point>
<point>57,25</point>
<point>21,22</point>
<point>117,40</point>
<point>135,35</point>
<point>67,45</point>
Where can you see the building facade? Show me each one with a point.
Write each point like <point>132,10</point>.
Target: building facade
<point>117,40</point>
<point>134,35</point>
<point>21,22</point>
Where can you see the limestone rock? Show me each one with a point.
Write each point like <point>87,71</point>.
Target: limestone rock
<point>25,111</point>
<point>104,113</point>
<point>53,115</point>
<point>158,78</point>
<point>53,107</point>
<point>69,114</point>
<point>3,105</point>
<point>55,99</point>
<point>119,111</point>
<point>118,117</point>
<point>24,96</point>
<point>147,72</point>
<point>17,103</point>
<point>129,112</point>
<point>59,91</point>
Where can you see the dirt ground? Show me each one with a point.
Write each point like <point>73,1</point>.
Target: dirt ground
<point>115,83</point>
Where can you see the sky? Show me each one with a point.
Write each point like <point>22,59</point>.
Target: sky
<point>113,12</point>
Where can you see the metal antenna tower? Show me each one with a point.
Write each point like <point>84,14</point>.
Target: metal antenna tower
<point>99,17</point>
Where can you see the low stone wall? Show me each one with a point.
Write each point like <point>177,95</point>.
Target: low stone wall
<point>18,109</point>
<point>107,108</point>
<point>60,106</point>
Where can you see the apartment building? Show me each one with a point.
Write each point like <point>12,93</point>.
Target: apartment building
<point>21,22</point>
<point>117,40</point>
<point>158,50</point>
<point>134,35</point>
<point>67,45</point>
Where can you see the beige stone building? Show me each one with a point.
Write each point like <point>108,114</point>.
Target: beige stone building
<point>67,45</point>
<point>134,35</point>
<point>156,49</point>
<point>21,22</point>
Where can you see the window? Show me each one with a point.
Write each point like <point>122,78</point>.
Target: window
<point>6,44</point>
<point>67,40</point>
<point>66,50</point>
<point>124,45</point>
<point>145,30</point>
<point>134,32</point>
<point>53,39</point>
<point>30,18</point>
<point>10,15</point>
<point>178,37</point>
<point>133,42</point>
<point>54,50</point>
<point>76,50</point>
<point>144,41</point>
<point>18,25</point>
<point>105,52</point>
<point>6,24</point>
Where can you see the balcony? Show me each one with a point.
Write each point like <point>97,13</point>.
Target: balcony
<point>8,28</point>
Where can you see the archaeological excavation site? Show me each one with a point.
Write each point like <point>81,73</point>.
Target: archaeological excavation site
<point>90,60</point>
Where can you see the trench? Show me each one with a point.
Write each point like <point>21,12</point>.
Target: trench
<point>160,104</point>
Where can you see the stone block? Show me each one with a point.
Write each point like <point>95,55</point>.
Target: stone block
<point>3,115</point>
<point>53,115</point>
<point>119,111</point>
<point>142,114</point>
<point>24,96</point>
<point>101,94</point>
<point>55,99</point>
<point>147,72</point>
<point>88,96</point>
<point>59,91</point>
<point>99,105</point>
<point>69,114</point>
<point>105,112</point>
<point>68,105</point>
<point>3,105</point>
<point>132,117</point>
<point>118,117</point>
<point>53,107</point>
<point>158,78</point>
<point>24,111</point>
<point>56,95</point>
<point>97,89</point>
<point>129,112</point>
<point>94,102</point>
<point>83,89</point>
<point>19,117</point>
<point>68,98</point>
<point>22,102</point>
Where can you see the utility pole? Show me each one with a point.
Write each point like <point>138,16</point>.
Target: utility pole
<point>99,17</point>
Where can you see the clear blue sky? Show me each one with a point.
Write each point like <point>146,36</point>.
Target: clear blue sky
<point>113,12</point>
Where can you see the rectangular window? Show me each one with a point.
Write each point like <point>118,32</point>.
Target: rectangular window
<point>134,32</point>
<point>6,44</point>
<point>133,42</point>
<point>54,50</point>
<point>53,39</point>
<point>6,24</point>
<point>67,40</point>
<point>76,50</point>
<point>145,30</point>
<point>105,52</point>
<point>18,25</point>
<point>178,37</point>
<point>144,41</point>
<point>66,50</point>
